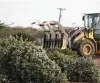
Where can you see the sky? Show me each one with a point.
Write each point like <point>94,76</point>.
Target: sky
<point>24,12</point>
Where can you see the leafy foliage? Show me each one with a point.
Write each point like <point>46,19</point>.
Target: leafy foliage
<point>61,57</point>
<point>6,32</point>
<point>24,36</point>
<point>3,25</point>
<point>22,62</point>
<point>77,69</point>
<point>83,70</point>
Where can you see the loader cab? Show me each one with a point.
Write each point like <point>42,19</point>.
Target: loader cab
<point>92,21</point>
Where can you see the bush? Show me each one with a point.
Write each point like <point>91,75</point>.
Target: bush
<point>77,69</point>
<point>22,62</point>
<point>61,57</point>
<point>6,32</point>
<point>30,34</point>
<point>24,36</point>
<point>83,70</point>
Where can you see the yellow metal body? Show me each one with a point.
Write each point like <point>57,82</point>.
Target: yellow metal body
<point>90,34</point>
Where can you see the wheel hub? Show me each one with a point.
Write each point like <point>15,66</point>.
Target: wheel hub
<point>87,49</point>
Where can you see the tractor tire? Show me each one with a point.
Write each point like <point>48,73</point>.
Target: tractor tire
<point>86,48</point>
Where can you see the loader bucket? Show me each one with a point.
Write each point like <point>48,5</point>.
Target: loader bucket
<point>58,40</point>
<point>54,37</point>
<point>46,40</point>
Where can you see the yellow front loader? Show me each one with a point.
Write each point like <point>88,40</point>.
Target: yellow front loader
<point>86,40</point>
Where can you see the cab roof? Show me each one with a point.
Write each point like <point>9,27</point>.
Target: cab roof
<point>91,14</point>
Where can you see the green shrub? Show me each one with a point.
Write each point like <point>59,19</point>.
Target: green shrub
<point>6,32</point>
<point>3,26</point>
<point>83,70</point>
<point>22,62</point>
<point>61,57</point>
<point>77,69</point>
<point>30,34</point>
<point>24,36</point>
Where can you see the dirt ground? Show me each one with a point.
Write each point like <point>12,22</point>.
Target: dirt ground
<point>97,58</point>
